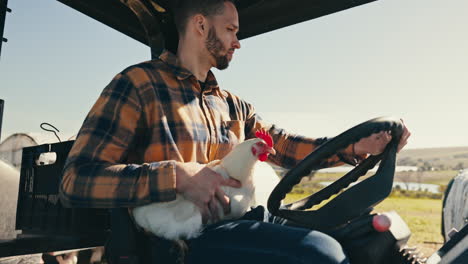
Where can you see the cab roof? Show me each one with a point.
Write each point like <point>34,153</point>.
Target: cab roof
<point>256,16</point>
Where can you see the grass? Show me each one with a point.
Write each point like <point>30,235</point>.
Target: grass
<point>423,217</point>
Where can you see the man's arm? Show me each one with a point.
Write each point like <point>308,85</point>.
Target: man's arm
<point>96,173</point>
<point>291,148</point>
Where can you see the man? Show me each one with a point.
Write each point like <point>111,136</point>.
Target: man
<point>157,123</point>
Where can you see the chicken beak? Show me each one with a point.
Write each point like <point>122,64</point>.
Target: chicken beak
<point>272,151</point>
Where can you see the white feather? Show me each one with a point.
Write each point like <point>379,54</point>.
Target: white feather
<point>182,219</point>
<point>175,219</point>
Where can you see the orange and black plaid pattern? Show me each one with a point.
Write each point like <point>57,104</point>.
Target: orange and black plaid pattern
<point>152,115</point>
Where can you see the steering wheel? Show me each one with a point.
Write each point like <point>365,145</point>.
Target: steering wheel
<point>357,200</point>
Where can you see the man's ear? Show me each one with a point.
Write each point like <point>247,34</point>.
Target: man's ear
<point>200,23</point>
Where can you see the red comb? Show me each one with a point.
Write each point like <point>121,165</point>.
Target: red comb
<point>265,136</point>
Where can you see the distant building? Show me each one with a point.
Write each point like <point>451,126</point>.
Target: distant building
<point>11,148</point>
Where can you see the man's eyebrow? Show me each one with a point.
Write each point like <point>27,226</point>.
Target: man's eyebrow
<point>236,27</point>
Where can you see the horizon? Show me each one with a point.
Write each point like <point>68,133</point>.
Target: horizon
<point>50,137</point>
<point>316,78</point>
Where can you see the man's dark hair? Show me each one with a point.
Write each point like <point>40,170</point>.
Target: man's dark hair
<point>187,8</point>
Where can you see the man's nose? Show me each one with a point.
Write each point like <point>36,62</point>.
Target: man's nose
<point>236,44</point>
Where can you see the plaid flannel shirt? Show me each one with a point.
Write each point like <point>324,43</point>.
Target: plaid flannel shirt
<point>152,115</point>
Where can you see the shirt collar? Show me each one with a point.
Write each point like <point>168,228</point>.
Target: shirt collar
<point>182,73</point>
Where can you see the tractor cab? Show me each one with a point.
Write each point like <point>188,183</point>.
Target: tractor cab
<point>48,226</point>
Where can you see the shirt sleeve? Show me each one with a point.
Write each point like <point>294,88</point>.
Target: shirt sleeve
<point>292,148</point>
<point>96,173</point>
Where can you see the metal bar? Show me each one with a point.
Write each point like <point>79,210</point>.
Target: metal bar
<point>1,117</point>
<point>3,10</point>
<point>150,24</point>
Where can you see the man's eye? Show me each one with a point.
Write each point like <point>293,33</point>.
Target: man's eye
<point>230,29</point>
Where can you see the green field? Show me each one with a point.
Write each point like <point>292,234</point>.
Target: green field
<point>423,217</point>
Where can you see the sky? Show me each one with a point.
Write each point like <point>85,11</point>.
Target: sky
<point>404,58</point>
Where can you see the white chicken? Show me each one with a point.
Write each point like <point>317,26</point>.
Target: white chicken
<point>181,218</point>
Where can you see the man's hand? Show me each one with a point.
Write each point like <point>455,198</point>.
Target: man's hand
<point>58,257</point>
<point>201,185</point>
<point>376,143</point>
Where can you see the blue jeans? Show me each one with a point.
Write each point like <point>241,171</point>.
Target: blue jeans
<point>260,238</point>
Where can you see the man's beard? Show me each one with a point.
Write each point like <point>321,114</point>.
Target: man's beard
<point>215,47</point>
